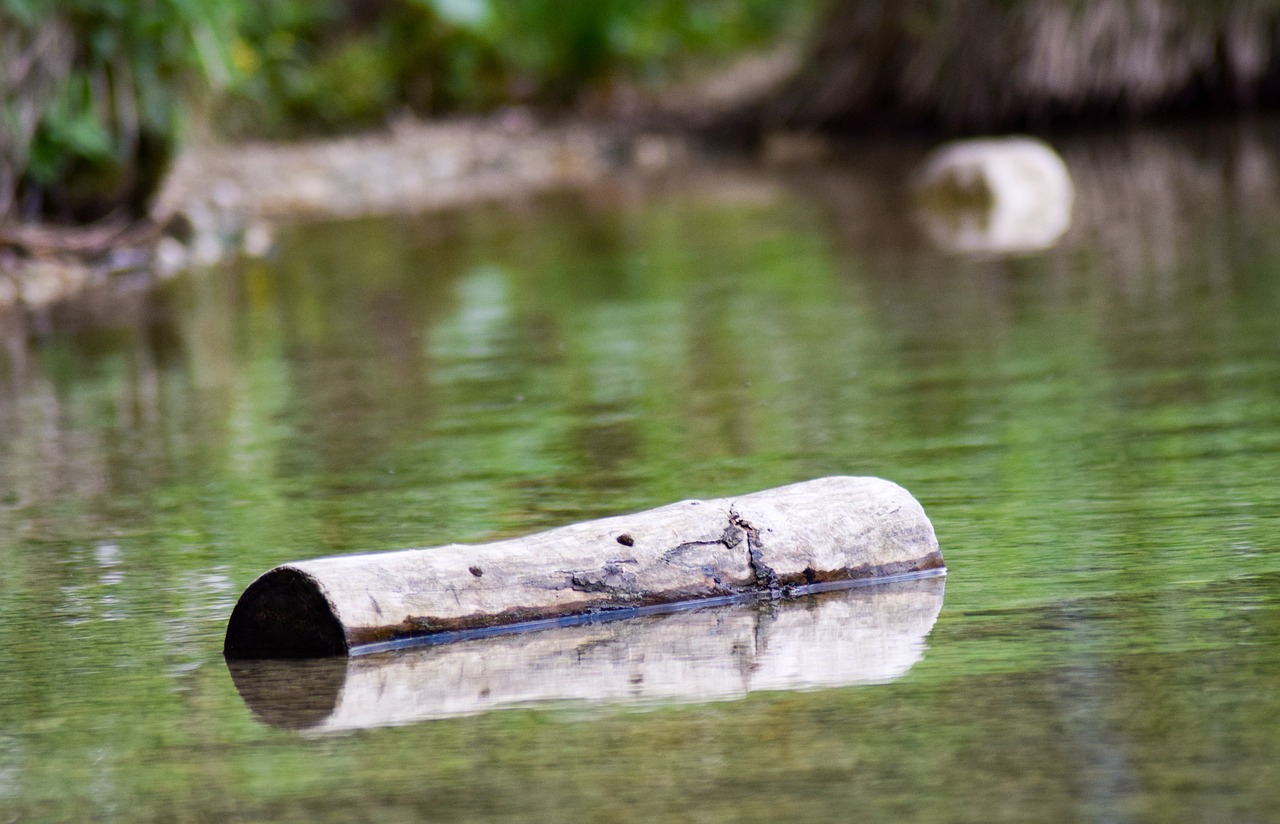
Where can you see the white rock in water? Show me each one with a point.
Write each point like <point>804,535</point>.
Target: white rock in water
<point>994,196</point>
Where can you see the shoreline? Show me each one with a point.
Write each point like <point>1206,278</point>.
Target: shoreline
<point>224,199</point>
<point>220,199</point>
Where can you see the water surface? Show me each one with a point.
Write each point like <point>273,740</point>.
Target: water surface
<point>1094,431</point>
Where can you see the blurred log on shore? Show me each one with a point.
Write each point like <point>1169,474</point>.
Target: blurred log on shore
<point>966,66</point>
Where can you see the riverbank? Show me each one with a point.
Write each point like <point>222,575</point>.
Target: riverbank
<point>226,198</point>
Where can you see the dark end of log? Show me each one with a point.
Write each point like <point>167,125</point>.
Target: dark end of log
<point>284,614</point>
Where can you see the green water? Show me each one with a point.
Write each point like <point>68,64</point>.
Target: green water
<point>1094,431</point>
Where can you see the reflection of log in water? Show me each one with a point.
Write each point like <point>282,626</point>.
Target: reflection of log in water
<point>865,635</point>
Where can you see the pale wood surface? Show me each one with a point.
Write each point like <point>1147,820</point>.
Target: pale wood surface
<point>827,529</point>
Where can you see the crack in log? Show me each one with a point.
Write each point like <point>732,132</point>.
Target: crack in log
<point>766,577</point>
<point>730,538</point>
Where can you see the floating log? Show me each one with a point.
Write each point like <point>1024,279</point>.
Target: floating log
<point>869,634</point>
<point>995,196</point>
<point>787,540</point>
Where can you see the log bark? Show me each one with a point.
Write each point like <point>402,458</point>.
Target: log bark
<point>779,541</point>
<point>866,635</point>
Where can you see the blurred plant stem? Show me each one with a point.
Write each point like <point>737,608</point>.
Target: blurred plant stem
<point>93,96</point>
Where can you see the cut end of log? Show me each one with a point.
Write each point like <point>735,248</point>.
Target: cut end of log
<point>284,614</point>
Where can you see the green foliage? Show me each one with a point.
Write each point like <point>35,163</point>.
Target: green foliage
<point>327,66</point>
<point>94,92</point>
<point>104,102</point>
<point>307,67</point>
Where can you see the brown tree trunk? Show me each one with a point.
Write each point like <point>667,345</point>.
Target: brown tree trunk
<point>984,65</point>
